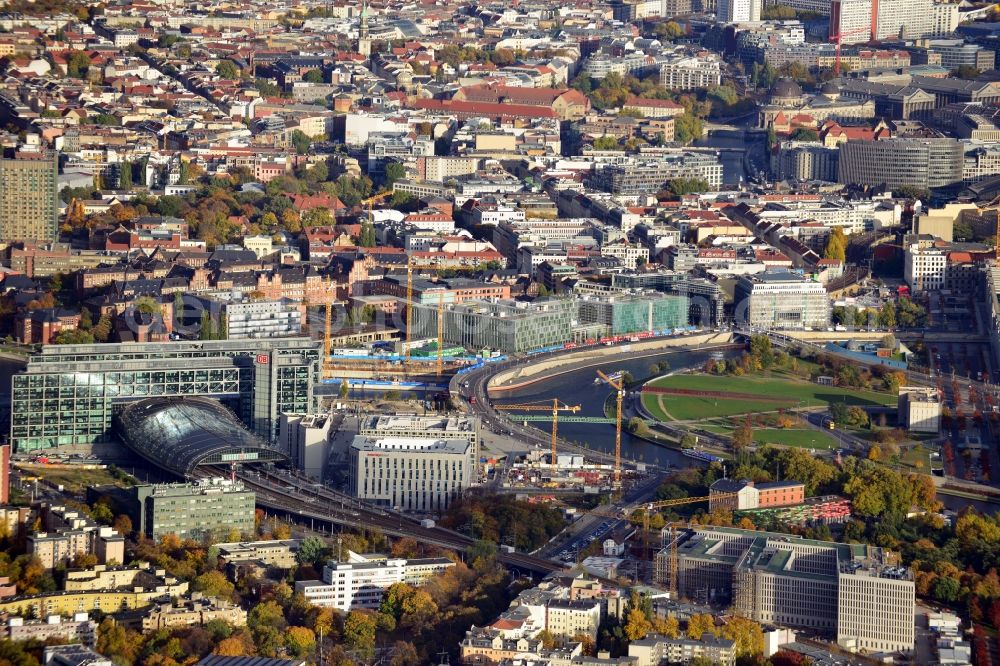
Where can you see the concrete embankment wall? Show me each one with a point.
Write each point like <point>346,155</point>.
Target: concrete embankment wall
<point>523,375</point>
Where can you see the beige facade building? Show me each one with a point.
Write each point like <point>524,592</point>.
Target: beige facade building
<point>280,554</point>
<point>69,533</point>
<point>571,617</point>
<point>655,650</point>
<point>29,199</point>
<point>919,409</point>
<point>191,612</point>
<point>142,576</point>
<point>70,603</point>
<point>79,629</point>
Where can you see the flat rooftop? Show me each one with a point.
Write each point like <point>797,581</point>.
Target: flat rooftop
<point>437,424</point>
<point>777,553</point>
<point>412,444</point>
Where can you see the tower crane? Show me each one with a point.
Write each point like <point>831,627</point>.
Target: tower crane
<point>439,366</point>
<point>409,312</point>
<point>555,407</point>
<point>369,202</point>
<point>619,386</point>
<point>838,39</point>
<point>647,510</point>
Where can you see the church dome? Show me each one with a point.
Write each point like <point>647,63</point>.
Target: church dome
<point>785,91</point>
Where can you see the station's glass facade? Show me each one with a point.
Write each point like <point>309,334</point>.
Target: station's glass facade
<point>67,395</point>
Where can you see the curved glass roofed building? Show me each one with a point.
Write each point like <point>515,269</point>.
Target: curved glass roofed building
<point>178,434</point>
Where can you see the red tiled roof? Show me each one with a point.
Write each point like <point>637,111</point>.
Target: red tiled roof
<point>517,95</point>
<point>655,103</point>
<point>484,108</point>
<point>311,201</point>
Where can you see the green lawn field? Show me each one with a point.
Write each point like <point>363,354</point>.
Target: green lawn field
<point>807,439</point>
<point>781,393</point>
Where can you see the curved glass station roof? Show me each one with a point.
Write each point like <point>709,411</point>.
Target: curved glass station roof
<point>180,433</point>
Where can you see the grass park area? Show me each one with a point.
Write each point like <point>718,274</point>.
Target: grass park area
<point>75,479</point>
<point>776,392</point>
<point>805,439</point>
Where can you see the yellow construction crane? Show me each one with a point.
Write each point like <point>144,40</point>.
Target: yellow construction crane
<point>663,504</point>
<point>647,510</point>
<point>619,387</point>
<point>409,311</point>
<point>555,407</point>
<point>370,201</point>
<point>440,345</point>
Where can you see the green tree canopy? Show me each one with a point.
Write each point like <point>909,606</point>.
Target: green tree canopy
<point>227,69</point>
<point>606,143</point>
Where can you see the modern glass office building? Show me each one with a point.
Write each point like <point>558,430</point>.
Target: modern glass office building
<point>634,313</point>
<point>68,394</point>
<point>502,324</point>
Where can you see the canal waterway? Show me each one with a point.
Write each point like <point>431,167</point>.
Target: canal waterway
<point>577,387</point>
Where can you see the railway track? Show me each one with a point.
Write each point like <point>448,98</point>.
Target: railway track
<point>302,498</point>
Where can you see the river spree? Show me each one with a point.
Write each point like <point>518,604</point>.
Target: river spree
<point>577,387</point>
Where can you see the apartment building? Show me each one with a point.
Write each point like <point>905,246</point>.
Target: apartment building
<point>738,11</point>
<point>693,73</point>
<point>925,268</point>
<point>781,299</point>
<point>196,611</point>
<point>486,646</point>
<point>140,576</point>
<point>361,580</point>
<point>29,200</point>
<point>599,65</point>
<point>241,317</point>
<point>880,20</point>
<point>410,473</point>
<point>69,533</point>
<point>652,174</point>
<point>572,617</point>
<point>782,579</point>
<point>655,650</point>
<point>631,255</point>
<point>79,629</point>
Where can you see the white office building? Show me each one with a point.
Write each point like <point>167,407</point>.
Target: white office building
<point>362,580</point>
<point>262,319</point>
<point>852,20</point>
<point>738,11</point>
<point>925,268</point>
<point>306,440</point>
<point>859,21</point>
<point>461,428</point>
<point>782,299</point>
<point>413,473</point>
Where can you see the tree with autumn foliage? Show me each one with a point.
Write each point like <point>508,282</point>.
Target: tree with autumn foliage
<point>237,645</point>
<point>637,617</point>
